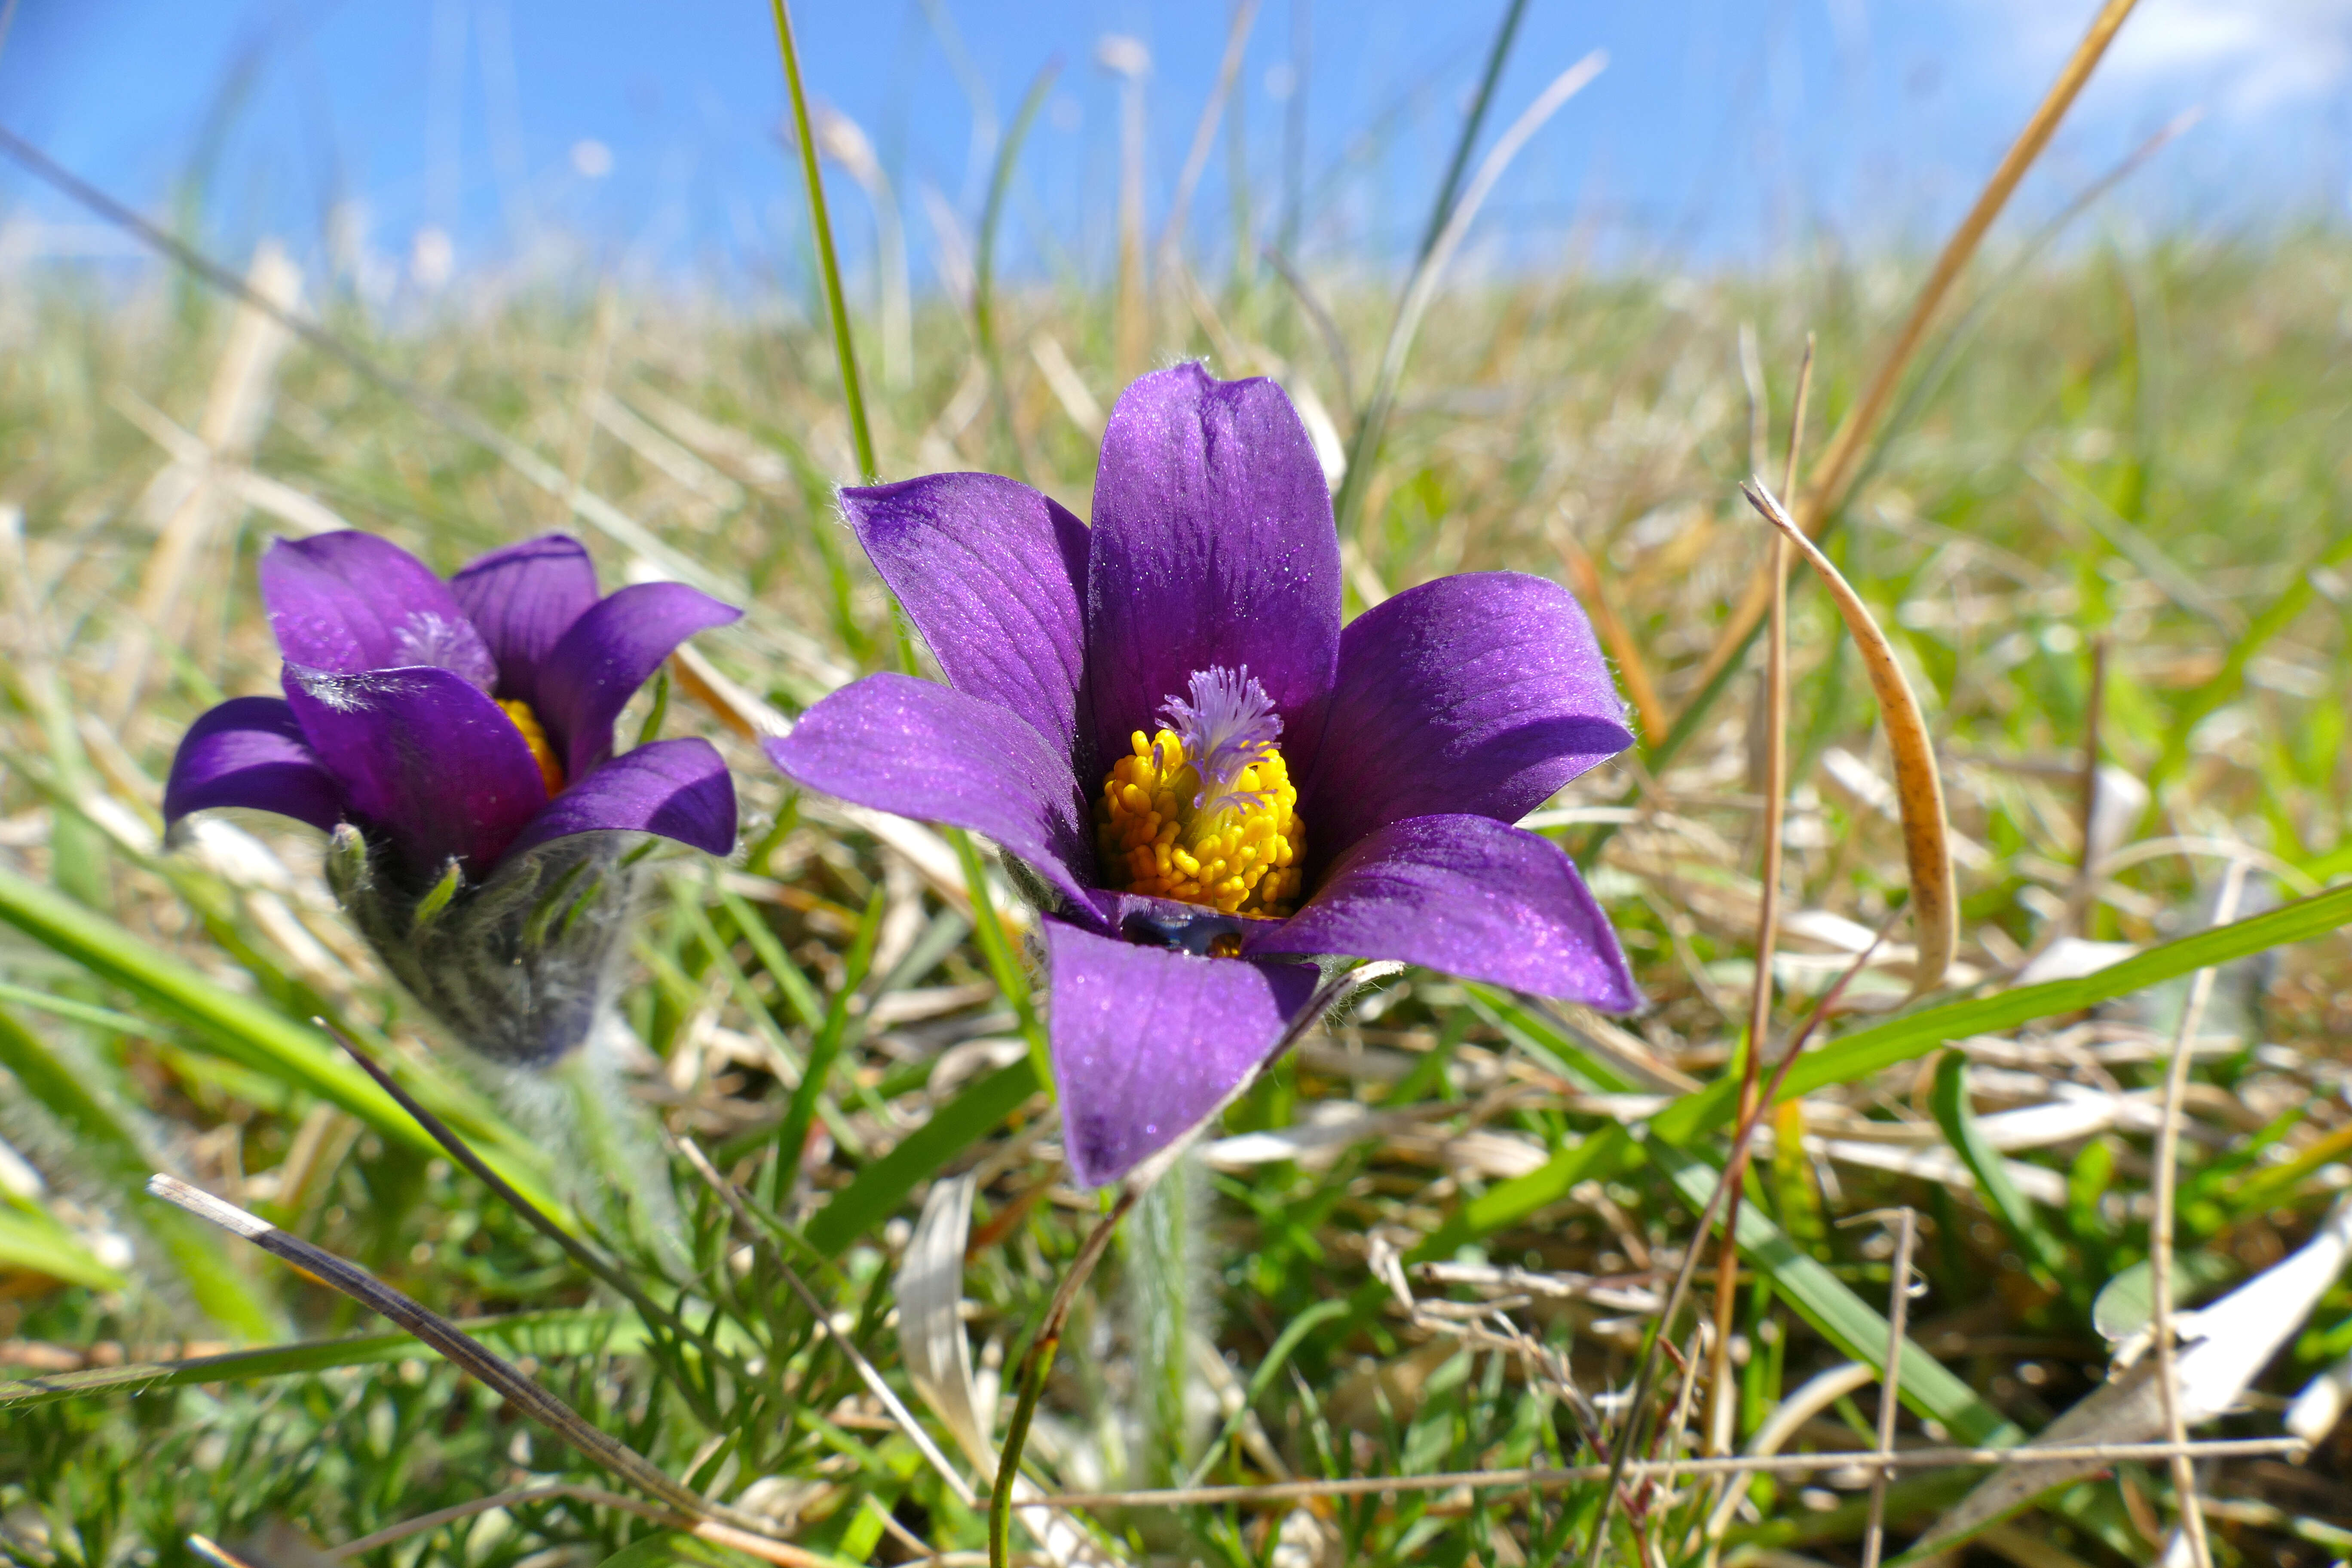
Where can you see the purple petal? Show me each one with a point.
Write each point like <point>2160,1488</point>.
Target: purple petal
<point>347,601</point>
<point>678,789</point>
<point>917,748</point>
<point>1480,693</point>
<point>1148,1043</point>
<point>610,651</point>
<point>425,756</point>
<point>522,599</point>
<point>1470,896</point>
<point>1212,546</point>
<point>250,751</point>
<point>992,573</point>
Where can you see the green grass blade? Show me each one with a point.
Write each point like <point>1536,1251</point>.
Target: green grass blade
<point>106,1146</point>
<point>984,267</point>
<point>1839,1316</point>
<point>32,1241</point>
<point>567,1330</point>
<point>883,1185</point>
<point>1003,964</point>
<point>1904,1038</point>
<point>799,994</point>
<point>1950,1102</point>
<point>1450,189</point>
<point>845,348</point>
<point>992,215</point>
<point>824,1049</point>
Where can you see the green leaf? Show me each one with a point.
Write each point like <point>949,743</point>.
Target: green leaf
<point>1003,964</point>
<point>884,1184</point>
<point>438,897</point>
<point>1901,1039</point>
<point>1950,1103</point>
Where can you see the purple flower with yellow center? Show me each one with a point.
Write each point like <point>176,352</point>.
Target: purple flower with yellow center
<point>1214,788</point>
<point>456,740</point>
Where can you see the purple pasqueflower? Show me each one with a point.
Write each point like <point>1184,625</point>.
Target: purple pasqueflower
<point>1161,716</point>
<point>457,739</point>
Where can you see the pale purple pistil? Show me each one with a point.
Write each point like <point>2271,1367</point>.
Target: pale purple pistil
<point>1228,727</point>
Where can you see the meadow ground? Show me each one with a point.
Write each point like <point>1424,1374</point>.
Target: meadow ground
<point>2106,530</point>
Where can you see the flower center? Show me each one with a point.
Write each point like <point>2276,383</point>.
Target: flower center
<point>535,737</point>
<point>1204,812</point>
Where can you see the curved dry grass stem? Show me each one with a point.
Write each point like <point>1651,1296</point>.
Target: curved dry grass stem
<point>1852,441</point>
<point>1926,833</point>
<point>1205,134</point>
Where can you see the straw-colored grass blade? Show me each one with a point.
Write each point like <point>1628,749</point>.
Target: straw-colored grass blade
<point>1927,835</point>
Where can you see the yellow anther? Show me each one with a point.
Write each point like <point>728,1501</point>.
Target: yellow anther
<point>1237,859</point>
<point>524,720</point>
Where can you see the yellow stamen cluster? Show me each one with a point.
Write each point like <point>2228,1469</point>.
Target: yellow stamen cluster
<point>1241,859</point>
<point>541,752</point>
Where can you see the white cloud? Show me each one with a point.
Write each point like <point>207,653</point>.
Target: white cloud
<point>2243,56</point>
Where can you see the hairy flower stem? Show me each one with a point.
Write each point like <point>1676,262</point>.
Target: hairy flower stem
<point>1036,1364</point>
<point>1162,1258</point>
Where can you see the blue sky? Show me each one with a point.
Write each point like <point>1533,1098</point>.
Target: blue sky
<point>1722,132</point>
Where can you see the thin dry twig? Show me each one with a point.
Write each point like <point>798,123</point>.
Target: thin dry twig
<point>2159,1246</point>
<point>1646,1469</point>
<point>1898,1315</point>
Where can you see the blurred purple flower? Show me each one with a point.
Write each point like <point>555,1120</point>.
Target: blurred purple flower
<point>1311,791</point>
<point>456,738</point>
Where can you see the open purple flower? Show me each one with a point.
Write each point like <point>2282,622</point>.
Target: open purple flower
<point>457,739</point>
<point>1163,717</point>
